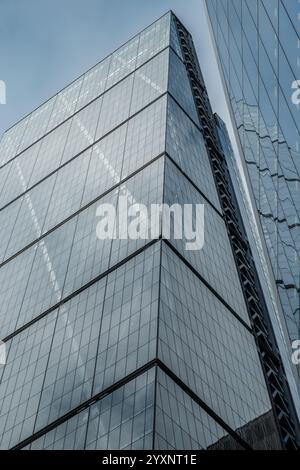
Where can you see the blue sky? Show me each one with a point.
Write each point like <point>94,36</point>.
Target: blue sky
<point>45,44</point>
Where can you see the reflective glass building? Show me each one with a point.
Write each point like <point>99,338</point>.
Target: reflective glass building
<point>117,343</point>
<point>258,49</point>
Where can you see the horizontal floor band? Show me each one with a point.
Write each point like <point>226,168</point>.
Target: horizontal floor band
<point>105,193</point>
<point>113,268</point>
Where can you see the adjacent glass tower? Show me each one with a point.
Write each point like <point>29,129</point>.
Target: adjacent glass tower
<point>258,50</point>
<point>116,343</point>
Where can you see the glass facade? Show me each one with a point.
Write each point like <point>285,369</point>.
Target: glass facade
<point>118,343</point>
<point>257,43</point>
<point>261,262</point>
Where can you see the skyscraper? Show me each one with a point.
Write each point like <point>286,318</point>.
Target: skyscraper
<point>121,343</point>
<point>257,43</point>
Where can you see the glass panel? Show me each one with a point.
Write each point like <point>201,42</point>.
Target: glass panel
<point>174,41</point>
<point>214,260</point>
<point>37,124</point>
<point>13,281</point>
<point>207,347</point>
<point>82,131</point>
<point>93,83</point>
<point>65,103</point>
<point>145,137</point>
<point>179,86</point>
<point>70,369</point>
<point>128,335</point>
<point>46,279</point>
<point>181,424</point>
<point>115,107</point>
<point>10,141</point>
<point>150,81</point>
<point>145,188</point>
<point>122,62</point>
<point>20,173</point>
<point>22,381</point>
<point>154,39</point>
<point>185,145</point>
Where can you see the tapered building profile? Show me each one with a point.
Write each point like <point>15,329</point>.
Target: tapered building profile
<point>131,344</point>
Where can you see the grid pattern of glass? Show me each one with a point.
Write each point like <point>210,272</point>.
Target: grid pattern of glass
<point>84,317</point>
<point>121,420</point>
<point>180,422</point>
<point>207,347</point>
<point>182,137</point>
<point>86,345</point>
<point>215,260</point>
<point>124,420</point>
<point>72,255</point>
